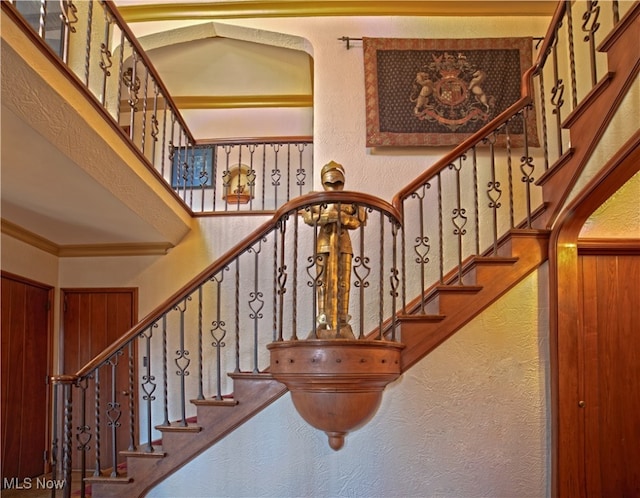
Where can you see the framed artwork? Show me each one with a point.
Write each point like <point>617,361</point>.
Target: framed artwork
<point>438,92</point>
<point>192,167</point>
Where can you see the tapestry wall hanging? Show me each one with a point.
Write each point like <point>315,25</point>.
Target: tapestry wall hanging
<point>439,92</point>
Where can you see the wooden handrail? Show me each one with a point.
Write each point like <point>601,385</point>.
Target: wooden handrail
<point>113,10</point>
<point>525,100</point>
<point>314,198</point>
<point>253,140</point>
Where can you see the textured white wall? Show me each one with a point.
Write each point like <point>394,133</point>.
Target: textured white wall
<point>619,216</point>
<point>469,420</point>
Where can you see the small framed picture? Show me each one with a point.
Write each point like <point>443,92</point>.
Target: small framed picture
<point>192,167</point>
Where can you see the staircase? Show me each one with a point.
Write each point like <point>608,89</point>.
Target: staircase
<point>440,309</point>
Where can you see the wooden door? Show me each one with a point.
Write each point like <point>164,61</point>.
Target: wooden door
<point>26,353</point>
<point>94,319</point>
<point>611,372</point>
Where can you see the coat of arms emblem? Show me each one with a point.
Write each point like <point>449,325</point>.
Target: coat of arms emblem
<point>448,90</point>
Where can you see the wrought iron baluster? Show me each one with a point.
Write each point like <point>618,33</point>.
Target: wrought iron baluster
<point>381,273</point>
<point>315,269</point>
<point>42,21</point>
<point>281,279</point>
<point>264,172</point>
<point>236,307</point>
<point>527,168</point>
<point>256,299</point>
<point>105,55</point>
<point>275,175</point>
<point>616,12</point>
<point>55,389</point>
<point>494,192</point>
<point>458,214</point>
<point>182,362</point>
<point>251,176</point>
<point>114,412</point>
<point>239,186</point>
<point>510,175</point>
<point>120,78</point>
<point>191,172</point>
<point>572,56</point>
<point>404,269</point>
<point>154,123</point>
<point>476,199</point>
<point>226,175</point>
<point>288,173</point>
<point>590,26</point>
<point>97,471</point>
<point>422,246</point>
<point>132,405</point>
<point>294,303</point>
<point>543,118</point>
<point>67,435</point>
<point>148,384</point>
<point>440,228</point>
<point>68,16</point>
<point>144,110</point>
<point>87,57</point>
<point>557,93</point>
<point>218,331</point>
<point>164,143</point>
<point>301,174</point>
<point>165,372</point>
<point>132,81</point>
<point>393,278</point>
<point>335,317</point>
<point>200,387</point>
<point>361,271</point>
<point>83,436</point>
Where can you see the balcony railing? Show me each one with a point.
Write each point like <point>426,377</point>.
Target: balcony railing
<point>92,40</point>
<point>248,176</point>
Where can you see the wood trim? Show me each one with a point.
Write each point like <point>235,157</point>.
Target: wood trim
<point>243,101</point>
<point>565,318</point>
<point>254,140</point>
<point>262,9</point>
<point>30,238</point>
<point>82,250</point>
<point>609,246</point>
<point>231,102</point>
<point>124,249</point>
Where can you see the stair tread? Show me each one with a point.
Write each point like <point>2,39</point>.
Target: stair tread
<point>225,401</point>
<point>142,453</point>
<point>427,317</point>
<point>179,427</point>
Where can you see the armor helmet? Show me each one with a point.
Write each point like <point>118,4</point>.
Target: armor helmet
<point>332,173</point>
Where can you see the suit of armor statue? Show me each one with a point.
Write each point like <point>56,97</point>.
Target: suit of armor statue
<point>333,256</point>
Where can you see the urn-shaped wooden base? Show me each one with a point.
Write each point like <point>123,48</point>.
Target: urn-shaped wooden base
<point>336,385</point>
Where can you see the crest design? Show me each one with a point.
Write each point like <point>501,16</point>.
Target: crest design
<point>448,90</point>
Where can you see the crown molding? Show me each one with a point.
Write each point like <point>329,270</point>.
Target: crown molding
<point>294,8</point>
<point>82,250</point>
<point>230,102</point>
<point>30,238</point>
<point>243,101</point>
